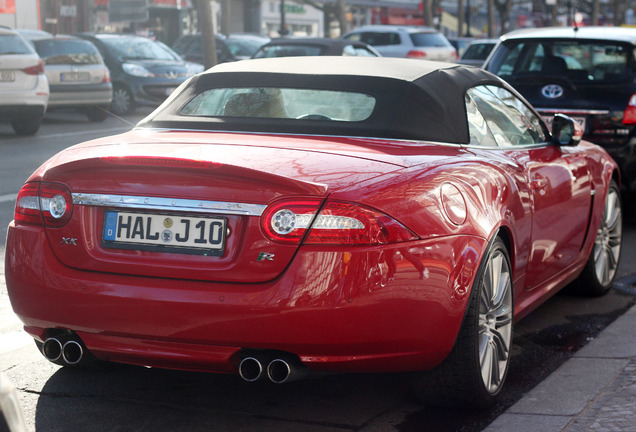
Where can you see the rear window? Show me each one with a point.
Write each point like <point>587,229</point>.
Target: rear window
<point>478,51</point>
<point>55,52</point>
<point>429,39</point>
<point>287,103</point>
<point>288,51</point>
<point>377,38</point>
<point>14,44</point>
<point>578,60</point>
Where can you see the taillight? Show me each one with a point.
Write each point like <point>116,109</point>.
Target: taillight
<point>338,223</point>
<point>106,78</point>
<point>35,70</point>
<point>416,54</point>
<point>27,205</point>
<point>288,221</point>
<point>49,204</point>
<point>629,117</point>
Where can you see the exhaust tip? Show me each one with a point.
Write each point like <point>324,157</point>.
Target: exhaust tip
<point>278,371</point>
<point>250,369</point>
<point>52,349</point>
<point>72,352</point>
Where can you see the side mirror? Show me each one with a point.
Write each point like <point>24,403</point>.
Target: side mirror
<point>565,131</point>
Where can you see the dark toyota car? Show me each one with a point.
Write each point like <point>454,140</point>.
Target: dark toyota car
<point>144,72</point>
<point>587,73</point>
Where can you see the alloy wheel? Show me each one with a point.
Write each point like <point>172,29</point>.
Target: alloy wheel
<point>607,246</point>
<point>495,321</point>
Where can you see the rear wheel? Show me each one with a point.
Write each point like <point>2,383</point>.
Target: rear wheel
<point>600,271</point>
<point>475,370</point>
<point>27,127</point>
<point>97,114</point>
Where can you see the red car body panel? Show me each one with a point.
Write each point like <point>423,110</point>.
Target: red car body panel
<point>385,306</point>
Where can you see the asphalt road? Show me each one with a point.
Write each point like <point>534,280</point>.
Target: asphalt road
<point>127,398</point>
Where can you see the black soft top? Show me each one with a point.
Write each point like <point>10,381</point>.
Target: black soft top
<point>416,99</point>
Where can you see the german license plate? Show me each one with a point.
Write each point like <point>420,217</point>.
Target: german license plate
<point>548,121</point>
<point>7,76</point>
<point>74,76</point>
<point>165,232</point>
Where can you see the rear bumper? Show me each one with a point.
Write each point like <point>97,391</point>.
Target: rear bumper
<point>76,96</point>
<point>367,310</point>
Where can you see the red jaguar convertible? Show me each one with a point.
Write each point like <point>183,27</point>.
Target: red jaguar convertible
<point>280,216</point>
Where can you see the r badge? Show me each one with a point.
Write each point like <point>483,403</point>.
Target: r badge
<point>264,256</point>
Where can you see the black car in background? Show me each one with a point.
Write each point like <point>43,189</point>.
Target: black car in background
<point>587,73</point>
<point>314,46</point>
<point>143,72</point>
<point>190,48</point>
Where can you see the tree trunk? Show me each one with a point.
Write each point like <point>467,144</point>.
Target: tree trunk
<point>342,16</point>
<point>460,18</point>
<point>226,17</point>
<point>208,43</point>
<point>491,19</point>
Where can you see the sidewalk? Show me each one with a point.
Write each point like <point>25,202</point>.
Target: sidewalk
<point>593,391</point>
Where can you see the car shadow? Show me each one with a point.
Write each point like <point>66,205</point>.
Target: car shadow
<point>123,398</point>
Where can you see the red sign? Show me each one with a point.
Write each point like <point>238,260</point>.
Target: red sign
<point>7,6</point>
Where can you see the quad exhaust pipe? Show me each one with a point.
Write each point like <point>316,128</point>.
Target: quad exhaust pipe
<point>278,369</point>
<point>70,352</point>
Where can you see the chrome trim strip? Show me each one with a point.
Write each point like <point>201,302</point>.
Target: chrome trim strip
<point>172,204</point>
<point>571,111</point>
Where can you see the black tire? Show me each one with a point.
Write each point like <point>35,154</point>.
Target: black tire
<point>97,114</point>
<point>27,127</point>
<point>123,102</point>
<point>600,270</point>
<point>474,372</point>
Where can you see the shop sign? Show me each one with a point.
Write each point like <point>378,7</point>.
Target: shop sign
<point>7,6</point>
<point>68,11</point>
<point>128,10</point>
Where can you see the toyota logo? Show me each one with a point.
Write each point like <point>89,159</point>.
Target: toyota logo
<point>552,91</point>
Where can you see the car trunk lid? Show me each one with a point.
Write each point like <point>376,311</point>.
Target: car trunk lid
<point>160,183</point>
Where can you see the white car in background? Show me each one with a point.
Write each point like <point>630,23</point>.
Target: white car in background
<point>23,85</point>
<point>424,43</point>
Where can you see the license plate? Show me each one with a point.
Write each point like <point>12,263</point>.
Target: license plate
<point>7,76</point>
<point>548,121</point>
<point>165,232</point>
<point>74,76</point>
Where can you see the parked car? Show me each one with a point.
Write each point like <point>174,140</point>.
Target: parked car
<point>191,49</point>
<point>477,52</point>
<point>244,45</point>
<point>77,75</point>
<point>314,46</point>
<point>33,35</point>
<point>143,72</point>
<point>460,43</point>
<point>404,41</point>
<point>336,214</point>
<point>23,85</point>
<point>588,73</point>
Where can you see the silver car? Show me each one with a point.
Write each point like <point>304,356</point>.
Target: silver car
<point>23,85</point>
<point>424,43</point>
<point>78,77</point>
